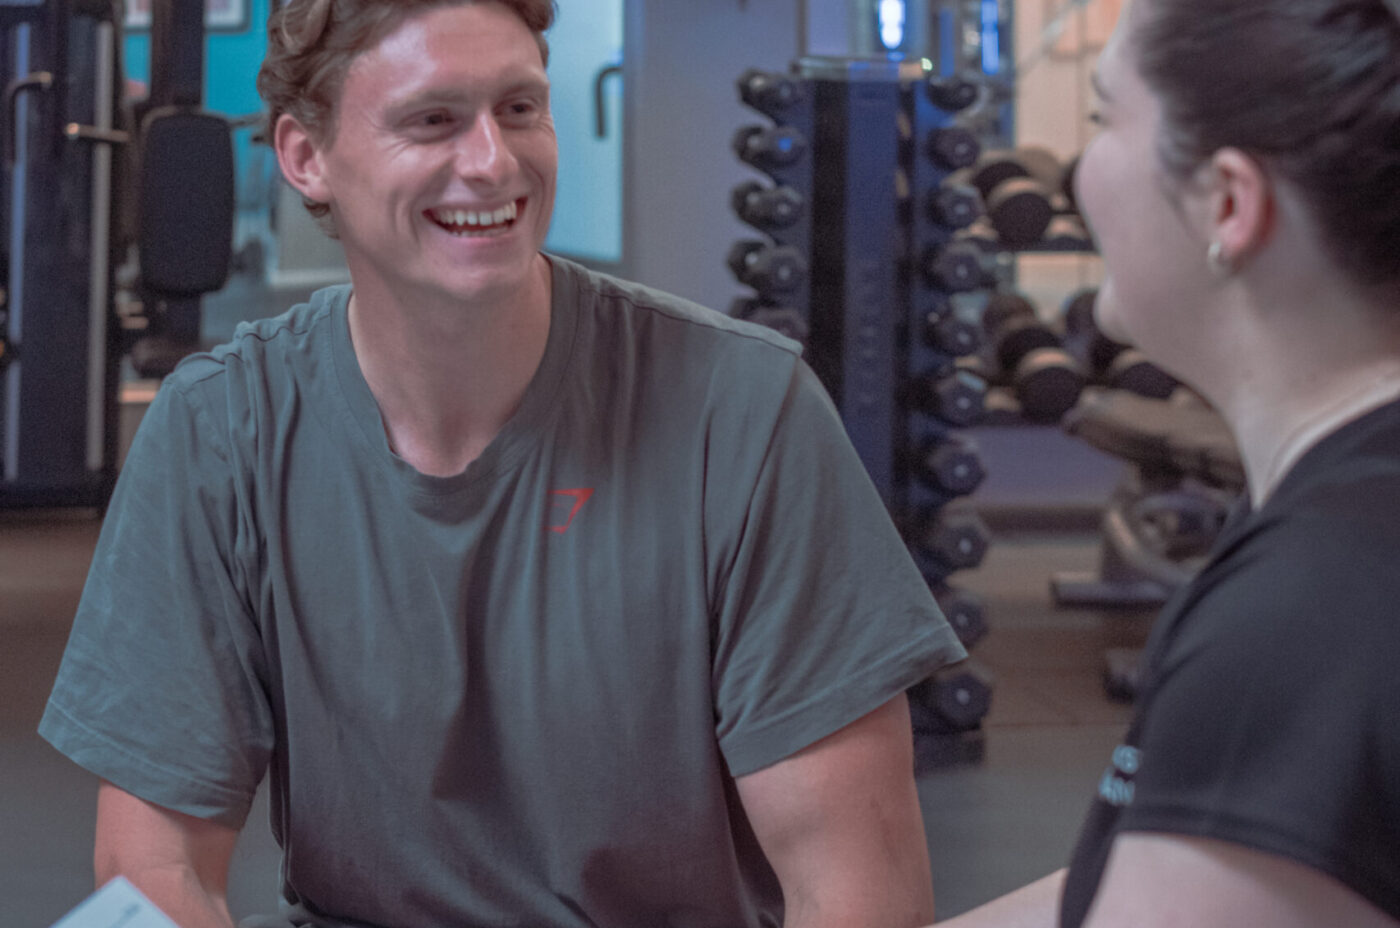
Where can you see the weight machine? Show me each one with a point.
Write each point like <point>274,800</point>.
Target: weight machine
<point>89,183</point>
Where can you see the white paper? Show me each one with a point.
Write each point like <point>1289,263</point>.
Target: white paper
<point>116,905</point>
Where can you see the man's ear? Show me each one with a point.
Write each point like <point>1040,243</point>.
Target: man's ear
<point>299,156</point>
<point>1242,208</point>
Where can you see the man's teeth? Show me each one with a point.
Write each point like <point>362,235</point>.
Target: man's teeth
<point>473,219</point>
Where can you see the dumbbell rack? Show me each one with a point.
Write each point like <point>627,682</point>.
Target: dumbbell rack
<point>862,264</point>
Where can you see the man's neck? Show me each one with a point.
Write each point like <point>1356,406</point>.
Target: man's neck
<point>448,378</point>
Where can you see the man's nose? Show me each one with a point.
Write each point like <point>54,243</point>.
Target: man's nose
<point>483,153</point>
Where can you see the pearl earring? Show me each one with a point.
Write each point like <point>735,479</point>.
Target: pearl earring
<point>1215,257</point>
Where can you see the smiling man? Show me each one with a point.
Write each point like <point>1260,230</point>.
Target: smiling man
<point>541,597</point>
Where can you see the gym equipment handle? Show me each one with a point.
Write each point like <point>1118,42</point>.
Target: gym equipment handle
<point>39,80</point>
<point>77,131</point>
<point>599,106</point>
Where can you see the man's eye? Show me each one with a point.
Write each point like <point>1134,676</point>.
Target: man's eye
<point>1096,117</point>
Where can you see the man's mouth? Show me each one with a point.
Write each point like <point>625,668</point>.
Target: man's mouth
<point>483,223</point>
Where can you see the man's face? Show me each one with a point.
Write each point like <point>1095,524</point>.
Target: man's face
<point>441,173</point>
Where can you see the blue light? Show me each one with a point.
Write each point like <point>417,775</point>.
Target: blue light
<point>991,37</point>
<point>892,23</point>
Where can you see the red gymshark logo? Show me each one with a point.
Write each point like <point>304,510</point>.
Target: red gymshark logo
<point>563,506</point>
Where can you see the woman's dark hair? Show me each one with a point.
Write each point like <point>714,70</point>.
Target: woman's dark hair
<point>311,43</point>
<point>1309,87</point>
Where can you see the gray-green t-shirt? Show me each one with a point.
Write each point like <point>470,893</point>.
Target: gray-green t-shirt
<point>518,695</point>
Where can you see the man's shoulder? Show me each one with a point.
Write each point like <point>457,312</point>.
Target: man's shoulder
<point>631,302</point>
<point>270,346</point>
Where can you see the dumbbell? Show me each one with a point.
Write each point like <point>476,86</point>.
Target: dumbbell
<point>951,92</point>
<point>964,613</point>
<point>1046,379</point>
<point>957,397</point>
<point>769,93</point>
<point>952,147</point>
<point>769,148</point>
<point>948,332</point>
<point>954,699</point>
<point>1056,176</point>
<point>767,208</point>
<point>954,538</point>
<point>786,320</point>
<point>956,206</point>
<point>952,464</point>
<point>772,270</point>
<point>1113,364</point>
<point>1018,204</point>
<point>955,267</point>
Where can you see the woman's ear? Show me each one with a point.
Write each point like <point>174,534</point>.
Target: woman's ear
<point>300,158</point>
<point>1241,205</point>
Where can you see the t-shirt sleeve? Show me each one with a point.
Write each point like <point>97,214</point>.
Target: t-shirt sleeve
<point>822,615</point>
<point>161,689</point>
<point>1276,721</point>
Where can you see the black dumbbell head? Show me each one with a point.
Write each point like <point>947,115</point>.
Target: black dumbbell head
<point>1047,383</point>
<point>1002,307</point>
<point>955,538</point>
<point>993,168</point>
<point>956,206</point>
<point>767,208</point>
<point>1020,211</point>
<point>964,612</point>
<point>1131,370</point>
<point>953,466</point>
<point>769,148</point>
<point>738,257</point>
<point>955,267</point>
<point>1017,337</point>
<point>958,398</point>
<point>953,147</point>
<point>774,271</point>
<point>951,334</point>
<point>767,92</point>
<point>951,93</point>
<point>961,698</point>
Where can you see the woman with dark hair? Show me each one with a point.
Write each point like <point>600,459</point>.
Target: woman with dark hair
<point>1244,189</point>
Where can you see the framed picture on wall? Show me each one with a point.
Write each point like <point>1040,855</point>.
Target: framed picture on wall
<point>219,15</point>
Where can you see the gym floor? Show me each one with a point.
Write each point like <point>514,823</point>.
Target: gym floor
<point>993,824</point>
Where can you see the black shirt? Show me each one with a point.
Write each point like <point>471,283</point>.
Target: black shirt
<point>1270,716</point>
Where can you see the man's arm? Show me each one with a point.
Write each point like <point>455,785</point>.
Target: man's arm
<point>1159,880</point>
<point>840,823</point>
<point>180,862</point>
